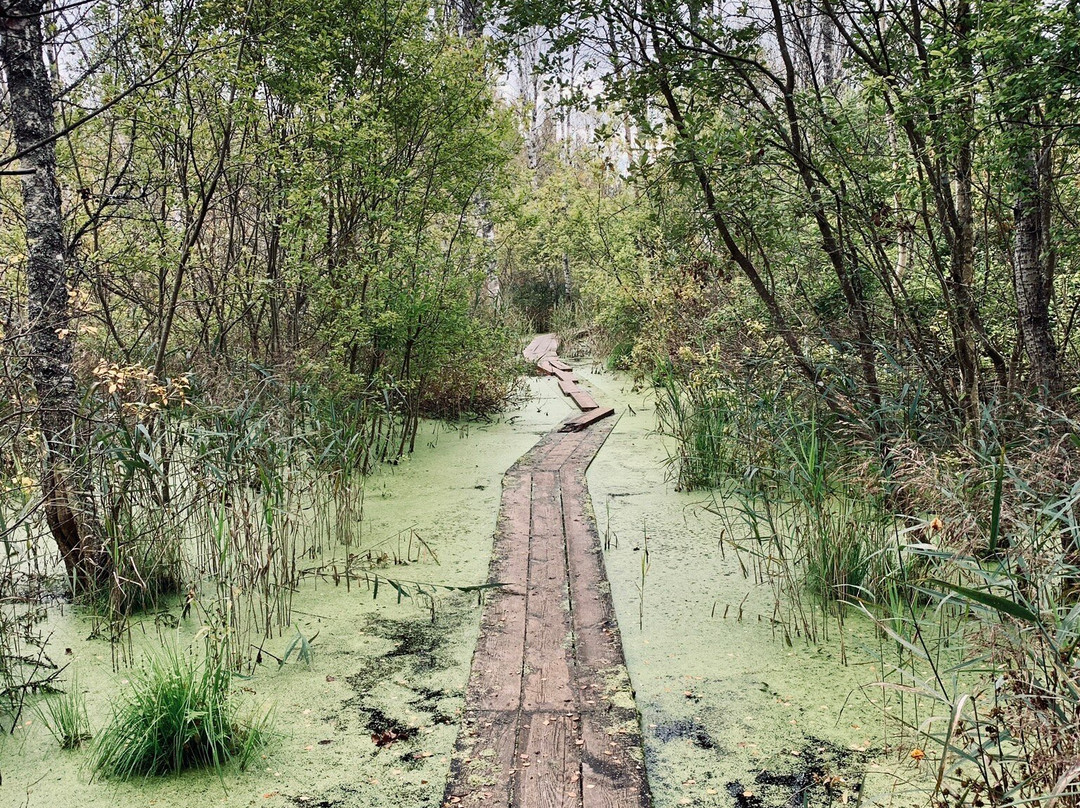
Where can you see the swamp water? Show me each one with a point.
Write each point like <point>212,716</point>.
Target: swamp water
<point>379,667</point>
<point>732,716</point>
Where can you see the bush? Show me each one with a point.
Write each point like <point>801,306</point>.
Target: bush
<point>178,714</point>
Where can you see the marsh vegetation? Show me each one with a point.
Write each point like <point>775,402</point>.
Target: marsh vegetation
<point>250,250</point>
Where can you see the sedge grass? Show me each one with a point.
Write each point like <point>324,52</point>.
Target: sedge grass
<point>64,715</point>
<point>178,713</point>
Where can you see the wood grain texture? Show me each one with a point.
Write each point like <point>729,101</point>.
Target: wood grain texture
<point>483,766</point>
<point>549,772</point>
<point>547,681</point>
<point>495,677</point>
<point>550,719</point>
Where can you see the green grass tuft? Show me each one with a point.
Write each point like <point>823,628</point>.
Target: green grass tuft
<point>178,714</point>
<point>64,715</point>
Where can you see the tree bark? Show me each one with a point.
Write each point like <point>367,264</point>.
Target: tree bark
<point>67,502</point>
<point>1031,281</point>
<point>962,252</point>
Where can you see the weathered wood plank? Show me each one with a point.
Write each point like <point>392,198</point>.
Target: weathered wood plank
<point>593,613</point>
<point>568,387</point>
<point>583,400</point>
<point>560,453</point>
<point>542,345</point>
<point>482,769</point>
<point>546,683</point>
<point>587,419</point>
<point>549,762</point>
<point>612,767</point>
<point>558,363</point>
<point>495,677</point>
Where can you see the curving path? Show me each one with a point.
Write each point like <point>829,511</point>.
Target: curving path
<point>550,719</point>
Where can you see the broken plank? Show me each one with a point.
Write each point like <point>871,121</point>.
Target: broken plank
<point>587,419</point>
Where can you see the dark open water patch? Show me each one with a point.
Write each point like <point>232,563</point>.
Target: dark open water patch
<point>685,729</point>
<point>314,802</point>
<point>420,648</point>
<point>820,775</point>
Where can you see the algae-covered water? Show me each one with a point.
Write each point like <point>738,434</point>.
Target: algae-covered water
<point>731,714</point>
<point>378,666</point>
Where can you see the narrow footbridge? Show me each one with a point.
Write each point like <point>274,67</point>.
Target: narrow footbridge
<point>550,719</point>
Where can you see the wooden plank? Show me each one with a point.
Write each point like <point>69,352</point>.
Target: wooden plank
<point>541,346</point>
<point>546,682</point>
<point>587,419</point>
<point>594,439</point>
<point>568,388</point>
<point>559,454</point>
<point>583,400</point>
<point>562,375</point>
<point>613,773</point>
<point>547,345</point>
<point>545,367</point>
<point>549,762</point>
<point>558,363</point>
<point>534,350</point>
<point>612,766</point>
<point>593,612</point>
<point>482,769</point>
<point>495,676</point>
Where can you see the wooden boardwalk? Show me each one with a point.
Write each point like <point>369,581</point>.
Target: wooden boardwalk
<point>550,719</point>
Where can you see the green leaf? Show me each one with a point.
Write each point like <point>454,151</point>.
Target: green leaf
<point>1003,605</point>
<point>995,515</point>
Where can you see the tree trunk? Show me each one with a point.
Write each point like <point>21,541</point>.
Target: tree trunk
<point>962,254</point>
<point>68,505</point>
<point>1031,282</point>
<point>962,281</point>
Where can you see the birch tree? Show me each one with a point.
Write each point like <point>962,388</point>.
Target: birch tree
<point>68,506</point>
